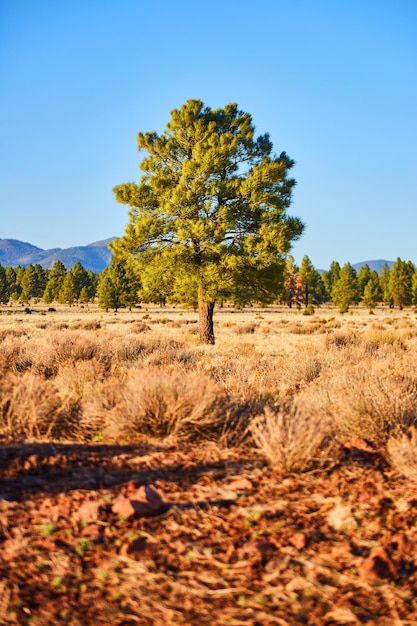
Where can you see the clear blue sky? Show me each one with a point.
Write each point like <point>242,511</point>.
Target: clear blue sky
<point>334,82</point>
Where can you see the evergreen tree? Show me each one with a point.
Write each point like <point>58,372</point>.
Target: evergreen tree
<point>330,277</point>
<point>81,278</point>
<point>105,291</point>
<point>384,284</point>
<point>117,286</point>
<point>4,287</point>
<point>313,287</point>
<point>211,207</point>
<point>33,282</point>
<point>68,292</point>
<point>293,284</point>
<point>13,288</point>
<point>400,282</point>
<point>56,278</point>
<point>372,291</point>
<point>93,278</point>
<point>364,276</point>
<point>344,290</point>
<point>414,287</point>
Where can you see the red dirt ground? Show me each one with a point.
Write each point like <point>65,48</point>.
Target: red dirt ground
<point>234,542</point>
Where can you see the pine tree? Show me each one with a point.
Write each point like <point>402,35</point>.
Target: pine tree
<point>105,291</point>
<point>13,288</point>
<point>293,283</point>
<point>384,285</point>
<point>372,291</point>
<point>68,292</point>
<point>313,287</point>
<point>414,287</point>
<point>400,282</point>
<point>211,208</point>
<point>56,278</point>
<point>4,287</point>
<point>364,276</point>
<point>344,290</point>
<point>330,277</point>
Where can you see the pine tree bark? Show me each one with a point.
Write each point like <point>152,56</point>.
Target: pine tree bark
<point>205,316</point>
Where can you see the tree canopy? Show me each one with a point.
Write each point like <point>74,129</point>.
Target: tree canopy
<point>210,211</point>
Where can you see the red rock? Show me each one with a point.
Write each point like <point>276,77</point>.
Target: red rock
<point>92,531</point>
<point>178,545</point>
<point>144,501</point>
<point>298,540</point>
<point>265,549</point>
<point>241,484</point>
<point>88,511</point>
<point>377,565</point>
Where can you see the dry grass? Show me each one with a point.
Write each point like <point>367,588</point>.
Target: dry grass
<point>80,374</point>
<point>291,440</point>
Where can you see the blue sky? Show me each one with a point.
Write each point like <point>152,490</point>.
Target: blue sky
<point>334,82</point>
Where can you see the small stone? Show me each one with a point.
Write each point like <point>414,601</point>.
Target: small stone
<point>241,484</point>
<point>378,565</point>
<point>88,511</point>
<point>143,502</point>
<point>340,518</point>
<point>298,540</point>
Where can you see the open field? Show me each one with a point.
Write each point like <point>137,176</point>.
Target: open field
<point>285,457</point>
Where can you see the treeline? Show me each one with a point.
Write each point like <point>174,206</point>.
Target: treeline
<point>345,286</point>
<point>303,286</point>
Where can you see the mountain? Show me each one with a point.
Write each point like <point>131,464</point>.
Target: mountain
<point>373,265</point>
<point>95,256</point>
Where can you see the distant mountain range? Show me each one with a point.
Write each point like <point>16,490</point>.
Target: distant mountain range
<point>373,265</point>
<point>95,256</point>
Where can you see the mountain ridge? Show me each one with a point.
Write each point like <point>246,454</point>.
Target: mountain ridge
<point>95,256</point>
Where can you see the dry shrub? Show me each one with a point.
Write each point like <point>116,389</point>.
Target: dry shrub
<point>342,340</point>
<point>164,352</point>
<point>402,454</point>
<point>156,403</point>
<point>299,370</point>
<point>371,397</point>
<point>125,349</point>
<point>381,338</point>
<point>246,329</point>
<point>139,327</point>
<point>307,328</point>
<point>29,407</point>
<point>12,332</point>
<point>74,347</point>
<point>291,440</point>
<point>87,325</point>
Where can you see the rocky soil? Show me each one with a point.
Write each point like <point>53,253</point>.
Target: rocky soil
<point>159,535</point>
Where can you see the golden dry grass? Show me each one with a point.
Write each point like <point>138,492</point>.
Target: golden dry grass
<point>83,374</point>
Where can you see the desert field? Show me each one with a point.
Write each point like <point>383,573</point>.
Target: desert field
<point>148,479</point>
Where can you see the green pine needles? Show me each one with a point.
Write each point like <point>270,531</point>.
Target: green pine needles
<point>208,221</point>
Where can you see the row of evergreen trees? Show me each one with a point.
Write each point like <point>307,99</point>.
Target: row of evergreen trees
<point>119,286</point>
<point>344,286</point>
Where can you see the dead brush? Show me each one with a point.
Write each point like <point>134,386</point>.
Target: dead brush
<point>160,404</point>
<point>373,398</point>
<point>402,454</point>
<point>29,407</point>
<point>291,440</point>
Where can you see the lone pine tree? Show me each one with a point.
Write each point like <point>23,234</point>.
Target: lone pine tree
<point>210,210</point>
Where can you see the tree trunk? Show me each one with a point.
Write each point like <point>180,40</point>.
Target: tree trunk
<point>205,315</point>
